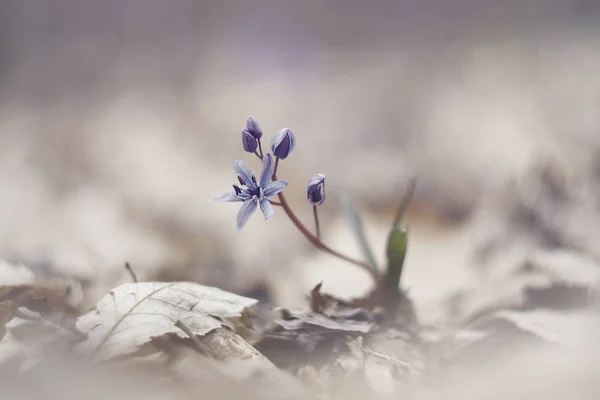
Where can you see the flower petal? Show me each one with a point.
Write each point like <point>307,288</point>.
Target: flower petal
<point>228,196</point>
<point>244,172</point>
<point>244,195</point>
<point>274,187</point>
<point>266,208</point>
<point>245,212</point>
<point>267,171</point>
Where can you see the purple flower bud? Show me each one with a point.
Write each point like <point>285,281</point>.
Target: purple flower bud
<point>250,142</point>
<point>253,128</point>
<point>283,143</point>
<point>316,190</point>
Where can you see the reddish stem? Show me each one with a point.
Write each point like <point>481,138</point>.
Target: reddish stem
<point>319,244</point>
<point>316,241</point>
<point>260,150</point>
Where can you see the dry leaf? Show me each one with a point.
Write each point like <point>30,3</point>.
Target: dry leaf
<point>552,279</point>
<point>299,319</point>
<point>16,356</point>
<point>318,302</point>
<point>132,314</point>
<point>571,329</point>
<point>568,267</point>
<point>45,299</point>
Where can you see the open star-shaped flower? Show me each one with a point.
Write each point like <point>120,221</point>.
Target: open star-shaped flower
<point>252,193</point>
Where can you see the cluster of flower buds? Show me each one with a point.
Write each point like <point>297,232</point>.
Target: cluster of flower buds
<point>282,143</point>
<point>251,135</point>
<point>254,194</point>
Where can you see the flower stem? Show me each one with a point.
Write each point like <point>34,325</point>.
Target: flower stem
<point>318,229</point>
<point>260,151</point>
<point>316,241</point>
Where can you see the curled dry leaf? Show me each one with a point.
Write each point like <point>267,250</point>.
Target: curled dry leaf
<point>132,314</point>
<point>303,337</point>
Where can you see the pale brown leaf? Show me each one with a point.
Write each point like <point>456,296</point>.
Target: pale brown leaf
<point>132,314</point>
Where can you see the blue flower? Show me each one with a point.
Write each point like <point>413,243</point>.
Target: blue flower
<point>253,128</point>
<point>249,142</point>
<point>283,143</point>
<point>316,190</point>
<point>252,193</point>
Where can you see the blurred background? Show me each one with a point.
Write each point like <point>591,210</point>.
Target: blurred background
<point>120,121</point>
